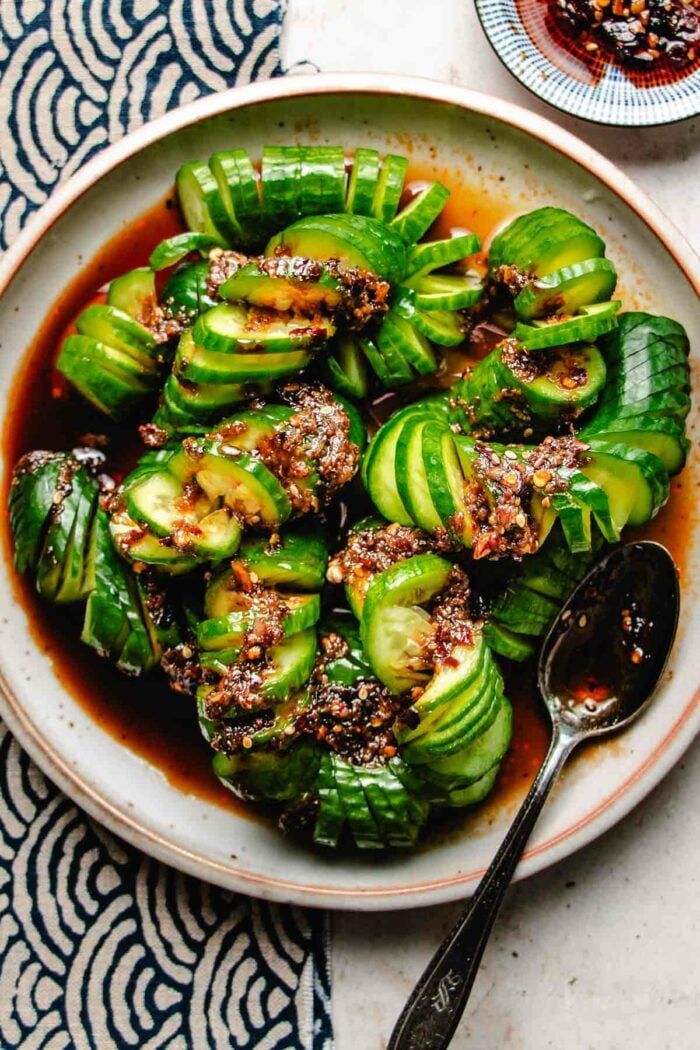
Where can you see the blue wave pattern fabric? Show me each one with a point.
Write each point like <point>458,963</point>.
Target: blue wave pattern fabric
<point>78,74</point>
<point>101,947</point>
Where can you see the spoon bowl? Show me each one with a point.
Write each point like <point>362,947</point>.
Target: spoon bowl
<point>607,650</point>
<point>598,669</point>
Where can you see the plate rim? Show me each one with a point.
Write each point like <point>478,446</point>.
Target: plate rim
<point>482,8</point>
<point>608,810</point>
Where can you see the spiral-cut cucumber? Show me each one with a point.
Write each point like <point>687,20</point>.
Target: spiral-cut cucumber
<point>62,537</point>
<point>617,475</point>
<point>544,241</point>
<point>191,506</point>
<point>526,606</point>
<point>53,501</point>
<point>646,398</point>
<point>511,388</point>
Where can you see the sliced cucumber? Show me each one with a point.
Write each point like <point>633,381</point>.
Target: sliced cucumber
<point>567,291</point>
<point>245,484</point>
<point>290,285</point>
<point>186,292</point>
<point>589,325</point>
<point>174,249</point>
<point>195,364</point>
<point>186,402</point>
<point>331,816</point>
<point>398,336</point>
<point>361,822</point>
<point>634,480</point>
<point>156,500</point>
<point>108,378</point>
<point>115,328</point>
<point>395,366</point>
<point>138,544</point>
<point>662,436</point>
<point>506,643</point>
<point>595,499</point>
<point>228,631</point>
<point>354,240</point>
<point>117,621</point>
<point>446,481</point>
<point>281,185</point>
<point>575,520</point>
<point>297,560</point>
<point>522,229</point>
<point>133,291</point>
<point>277,775</point>
<point>446,291</point>
<point>200,200</point>
<point>414,221</point>
<point>393,626</point>
<point>387,194</point>
<point>543,241</point>
<point>444,327</point>
<point>434,255</point>
<point>237,184</point>
<point>473,762</point>
<point>322,186</point>
<point>230,327</point>
<point>362,183</point>
<point>412,475</point>
<point>291,663</point>
<point>347,367</point>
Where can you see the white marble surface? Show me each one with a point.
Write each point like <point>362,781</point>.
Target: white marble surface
<point>601,951</point>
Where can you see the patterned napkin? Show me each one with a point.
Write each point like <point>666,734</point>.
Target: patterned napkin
<point>99,945</point>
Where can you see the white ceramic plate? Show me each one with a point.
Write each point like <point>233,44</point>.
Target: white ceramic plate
<point>480,142</point>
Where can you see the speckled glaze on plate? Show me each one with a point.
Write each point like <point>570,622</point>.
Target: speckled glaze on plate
<point>479,144</point>
<point>612,95</point>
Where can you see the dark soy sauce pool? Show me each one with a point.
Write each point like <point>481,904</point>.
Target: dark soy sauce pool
<point>143,714</point>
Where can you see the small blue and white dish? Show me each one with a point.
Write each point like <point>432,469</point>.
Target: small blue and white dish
<point>562,51</point>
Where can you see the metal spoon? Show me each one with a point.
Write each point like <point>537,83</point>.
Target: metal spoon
<point>599,667</point>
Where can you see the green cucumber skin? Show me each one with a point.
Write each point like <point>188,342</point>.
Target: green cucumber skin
<point>31,499</point>
<point>174,249</point>
<point>278,776</point>
<point>297,561</point>
<point>347,368</point>
<point>61,567</point>
<point>389,188</point>
<point>646,400</point>
<point>535,242</point>
<point>186,294</point>
<point>114,622</point>
<point>529,401</point>
<point>413,221</point>
<point>356,240</point>
<point>133,291</point>
<point>117,328</point>
<point>52,505</point>
<point>581,328</point>
<point>433,255</point>
<point>362,183</point>
<point>238,187</point>
<point>504,243</point>
<point>113,391</point>
<point>565,291</point>
<point>280,180</point>
<point>331,810</point>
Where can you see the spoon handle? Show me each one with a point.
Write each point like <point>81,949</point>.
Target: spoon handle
<point>432,1013</point>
